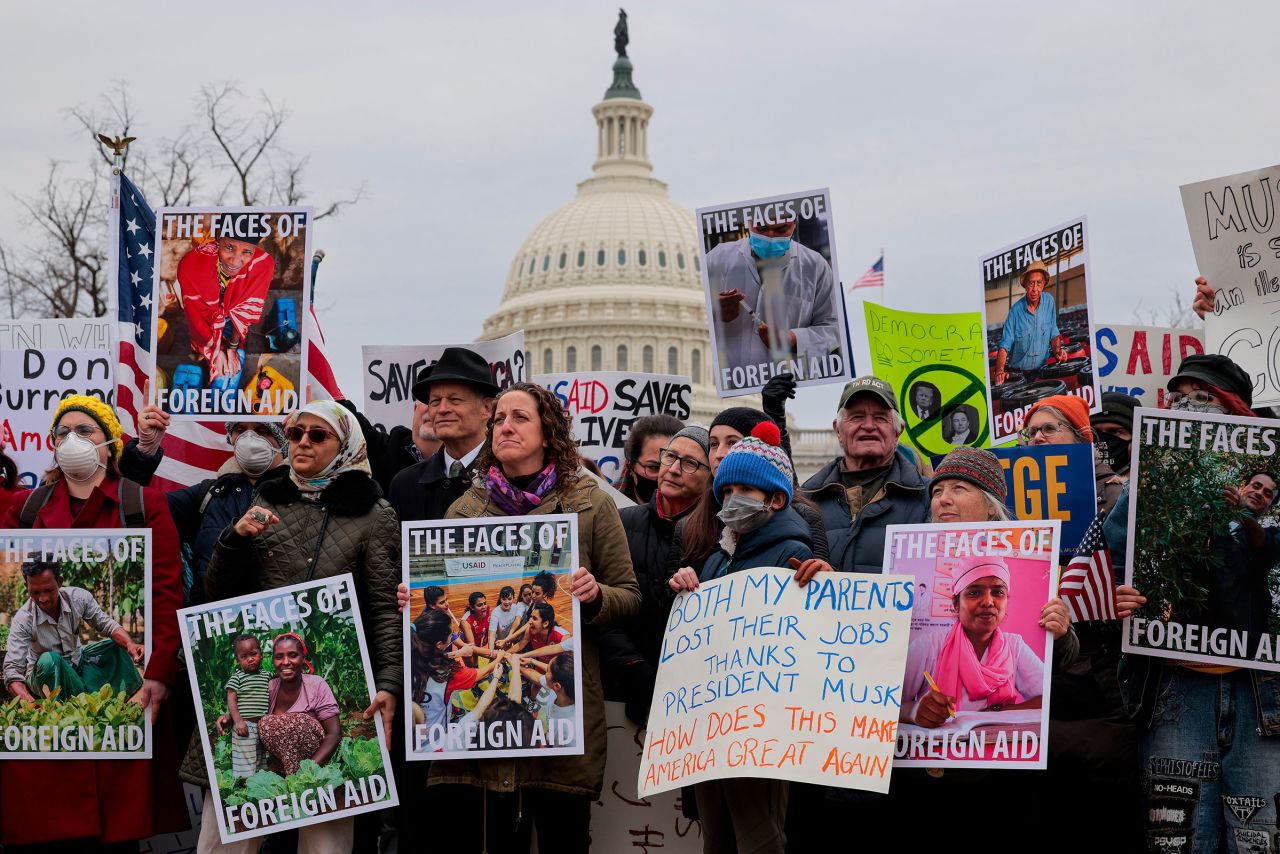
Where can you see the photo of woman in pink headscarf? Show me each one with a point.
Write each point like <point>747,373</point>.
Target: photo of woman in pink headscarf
<point>974,665</point>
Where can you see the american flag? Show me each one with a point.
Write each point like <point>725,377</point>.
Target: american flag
<point>193,450</point>
<point>1088,584</point>
<point>873,278</point>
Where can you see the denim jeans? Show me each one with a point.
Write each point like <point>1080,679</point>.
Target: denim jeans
<point>1210,778</point>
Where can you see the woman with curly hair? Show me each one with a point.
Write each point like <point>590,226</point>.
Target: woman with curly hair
<point>529,466</point>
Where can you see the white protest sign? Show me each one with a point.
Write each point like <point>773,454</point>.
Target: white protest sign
<point>760,677</point>
<point>59,333</point>
<point>32,383</point>
<point>1140,360</point>
<point>1236,237</point>
<point>604,406</point>
<point>391,370</point>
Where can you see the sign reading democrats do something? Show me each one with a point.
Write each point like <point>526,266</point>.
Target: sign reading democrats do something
<point>760,677</point>
<point>938,364</point>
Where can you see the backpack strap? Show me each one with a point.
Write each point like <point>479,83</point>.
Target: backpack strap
<point>133,508</point>
<point>207,496</point>
<point>35,502</point>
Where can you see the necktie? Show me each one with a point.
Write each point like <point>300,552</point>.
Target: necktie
<point>455,470</point>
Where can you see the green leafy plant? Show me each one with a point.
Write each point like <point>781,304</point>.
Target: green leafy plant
<point>97,711</point>
<point>313,776</point>
<point>264,785</point>
<point>360,757</point>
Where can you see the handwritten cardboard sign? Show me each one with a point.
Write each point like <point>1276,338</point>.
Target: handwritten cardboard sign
<point>762,678</point>
<point>1236,237</point>
<point>938,364</point>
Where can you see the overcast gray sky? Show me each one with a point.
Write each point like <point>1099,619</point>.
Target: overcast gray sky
<point>944,130</point>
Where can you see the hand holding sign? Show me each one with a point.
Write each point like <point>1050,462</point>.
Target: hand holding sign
<point>1203,302</point>
<point>584,587</point>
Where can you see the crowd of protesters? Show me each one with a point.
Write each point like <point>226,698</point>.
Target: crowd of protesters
<point>324,492</point>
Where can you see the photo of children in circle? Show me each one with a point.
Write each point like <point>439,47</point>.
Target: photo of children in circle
<point>514,666</point>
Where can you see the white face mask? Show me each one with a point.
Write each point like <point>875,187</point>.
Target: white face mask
<point>254,453</point>
<point>78,458</point>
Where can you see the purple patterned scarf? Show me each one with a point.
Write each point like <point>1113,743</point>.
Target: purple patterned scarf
<point>515,501</point>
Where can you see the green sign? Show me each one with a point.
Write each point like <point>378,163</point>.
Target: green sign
<point>937,364</point>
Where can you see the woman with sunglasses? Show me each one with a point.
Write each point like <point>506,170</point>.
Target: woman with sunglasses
<point>202,511</point>
<point>116,802</point>
<point>325,518</point>
<point>530,466</point>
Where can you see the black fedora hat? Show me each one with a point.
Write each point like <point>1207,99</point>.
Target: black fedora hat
<point>459,365</point>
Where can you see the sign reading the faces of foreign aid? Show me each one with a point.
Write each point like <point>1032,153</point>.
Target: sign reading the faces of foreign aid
<point>605,405</point>
<point>230,312</point>
<point>774,300</point>
<point>1236,237</point>
<point>390,370</point>
<point>976,690</point>
<point>305,642</point>
<point>1039,324</point>
<point>490,635</point>
<point>760,677</point>
<point>937,362</point>
<point>1204,539</point>
<point>73,679</point>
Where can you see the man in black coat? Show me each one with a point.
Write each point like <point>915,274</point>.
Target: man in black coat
<point>458,392</point>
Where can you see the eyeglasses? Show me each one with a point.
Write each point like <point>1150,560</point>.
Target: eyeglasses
<point>687,465</point>
<point>1199,397</point>
<point>84,431</point>
<point>317,435</point>
<point>1053,428</point>
<point>650,468</point>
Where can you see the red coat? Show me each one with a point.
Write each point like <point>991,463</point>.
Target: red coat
<point>9,496</point>
<point>111,800</point>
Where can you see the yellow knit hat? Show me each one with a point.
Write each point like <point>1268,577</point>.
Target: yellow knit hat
<point>100,412</point>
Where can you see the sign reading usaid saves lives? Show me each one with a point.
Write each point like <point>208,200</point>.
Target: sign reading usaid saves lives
<point>605,405</point>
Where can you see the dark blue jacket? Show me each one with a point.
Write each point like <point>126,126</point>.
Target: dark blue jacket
<point>857,544</point>
<point>224,500</point>
<point>785,535</point>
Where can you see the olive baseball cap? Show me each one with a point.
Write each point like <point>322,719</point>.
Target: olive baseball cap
<point>869,385</point>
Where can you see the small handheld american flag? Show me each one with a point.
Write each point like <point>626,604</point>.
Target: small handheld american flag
<point>1088,583</point>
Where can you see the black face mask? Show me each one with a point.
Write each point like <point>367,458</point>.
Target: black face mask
<point>644,486</point>
<point>1114,451</point>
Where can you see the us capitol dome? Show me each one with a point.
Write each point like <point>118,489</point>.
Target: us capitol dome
<point>612,280</point>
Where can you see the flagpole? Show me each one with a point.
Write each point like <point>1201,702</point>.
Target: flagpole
<point>118,146</point>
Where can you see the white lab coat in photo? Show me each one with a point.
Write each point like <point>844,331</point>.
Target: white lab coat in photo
<point>809,287</point>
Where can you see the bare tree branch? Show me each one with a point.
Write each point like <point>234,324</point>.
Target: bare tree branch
<point>1175,312</point>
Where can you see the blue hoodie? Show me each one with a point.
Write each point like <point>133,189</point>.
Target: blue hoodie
<point>785,535</point>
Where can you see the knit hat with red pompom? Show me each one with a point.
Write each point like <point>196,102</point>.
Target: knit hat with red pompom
<point>757,460</point>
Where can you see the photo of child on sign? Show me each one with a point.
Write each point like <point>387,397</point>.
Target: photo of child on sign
<point>231,291</point>
<point>281,680</point>
<point>489,672</point>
